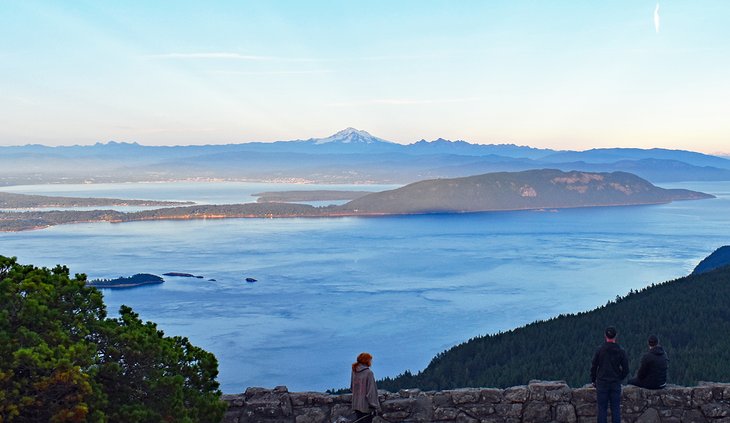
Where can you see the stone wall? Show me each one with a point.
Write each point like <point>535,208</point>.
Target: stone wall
<point>538,401</point>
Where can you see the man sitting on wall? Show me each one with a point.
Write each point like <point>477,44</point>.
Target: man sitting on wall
<point>652,373</point>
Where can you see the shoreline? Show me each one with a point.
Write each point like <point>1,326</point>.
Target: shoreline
<point>310,213</point>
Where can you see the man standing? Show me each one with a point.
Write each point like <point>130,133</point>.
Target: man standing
<point>652,373</point>
<point>609,367</point>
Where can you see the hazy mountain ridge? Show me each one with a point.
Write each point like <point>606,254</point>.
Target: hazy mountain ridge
<point>349,156</point>
<point>610,155</point>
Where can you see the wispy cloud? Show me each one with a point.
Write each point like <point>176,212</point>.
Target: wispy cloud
<point>223,55</point>
<point>280,72</point>
<point>395,58</point>
<point>403,102</point>
<point>211,55</point>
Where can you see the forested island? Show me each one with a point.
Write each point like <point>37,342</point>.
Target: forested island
<point>689,315</point>
<point>139,279</point>
<point>528,190</point>
<point>25,201</point>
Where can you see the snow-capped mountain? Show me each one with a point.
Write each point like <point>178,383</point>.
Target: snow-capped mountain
<point>350,136</point>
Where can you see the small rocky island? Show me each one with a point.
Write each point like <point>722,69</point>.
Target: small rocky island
<point>501,191</point>
<point>140,279</point>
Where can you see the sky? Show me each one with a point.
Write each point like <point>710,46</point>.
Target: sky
<point>560,74</point>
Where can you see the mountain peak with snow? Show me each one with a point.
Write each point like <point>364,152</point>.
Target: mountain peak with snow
<point>351,136</point>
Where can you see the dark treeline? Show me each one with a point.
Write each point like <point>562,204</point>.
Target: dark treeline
<point>690,315</point>
<point>122,281</point>
<point>22,221</point>
<point>12,200</point>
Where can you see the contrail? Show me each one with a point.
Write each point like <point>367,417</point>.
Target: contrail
<point>656,18</point>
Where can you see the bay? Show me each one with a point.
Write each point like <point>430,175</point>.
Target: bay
<point>402,287</point>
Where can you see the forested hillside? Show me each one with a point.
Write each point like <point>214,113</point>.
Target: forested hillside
<point>690,315</point>
<point>719,258</point>
<point>531,189</point>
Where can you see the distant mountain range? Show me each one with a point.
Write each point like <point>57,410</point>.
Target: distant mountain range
<point>349,156</point>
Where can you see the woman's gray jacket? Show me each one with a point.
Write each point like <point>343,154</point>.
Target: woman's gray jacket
<point>364,391</point>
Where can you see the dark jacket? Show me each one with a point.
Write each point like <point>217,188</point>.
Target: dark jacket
<point>610,364</point>
<point>652,373</point>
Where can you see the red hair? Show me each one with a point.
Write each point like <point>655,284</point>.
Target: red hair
<point>363,358</point>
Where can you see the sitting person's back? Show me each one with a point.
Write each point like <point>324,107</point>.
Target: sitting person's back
<point>652,373</point>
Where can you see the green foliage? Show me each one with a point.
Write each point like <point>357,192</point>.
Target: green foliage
<point>63,360</point>
<point>689,315</point>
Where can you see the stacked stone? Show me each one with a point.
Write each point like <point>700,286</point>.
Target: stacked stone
<point>539,401</point>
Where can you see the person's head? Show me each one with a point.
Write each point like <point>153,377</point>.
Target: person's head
<point>653,341</point>
<point>363,358</point>
<point>610,333</point>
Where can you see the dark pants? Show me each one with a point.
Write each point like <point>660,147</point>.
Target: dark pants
<point>608,393</point>
<point>360,417</point>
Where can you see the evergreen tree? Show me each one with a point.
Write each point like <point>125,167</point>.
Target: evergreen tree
<point>63,360</point>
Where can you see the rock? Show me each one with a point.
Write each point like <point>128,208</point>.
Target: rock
<point>582,395</point>
<point>479,410</point>
<point>565,413</point>
<point>312,415</point>
<point>702,395</point>
<point>464,418</point>
<point>676,397</point>
<point>693,416</point>
<point>585,410</point>
<point>408,393</point>
<point>651,415</point>
<point>300,399</point>
<point>516,394</point>
<point>342,411</point>
<point>465,396</point>
<point>265,405</point>
<point>442,399</point>
<point>715,410</point>
<point>445,413</point>
<point>535,412</point>
<point>550,391</point>
<point>491,395</point>
<point>509,410</point>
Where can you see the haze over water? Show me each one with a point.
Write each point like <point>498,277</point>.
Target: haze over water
<point>403,288</point>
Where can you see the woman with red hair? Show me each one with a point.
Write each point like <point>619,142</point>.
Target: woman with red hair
<point>364,392</point>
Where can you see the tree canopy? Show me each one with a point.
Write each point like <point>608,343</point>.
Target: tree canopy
<point>63,360</point>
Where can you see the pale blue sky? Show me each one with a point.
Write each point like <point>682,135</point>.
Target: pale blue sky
<point>558,73</point>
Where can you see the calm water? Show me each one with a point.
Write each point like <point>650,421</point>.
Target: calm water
<point>402,288</point>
